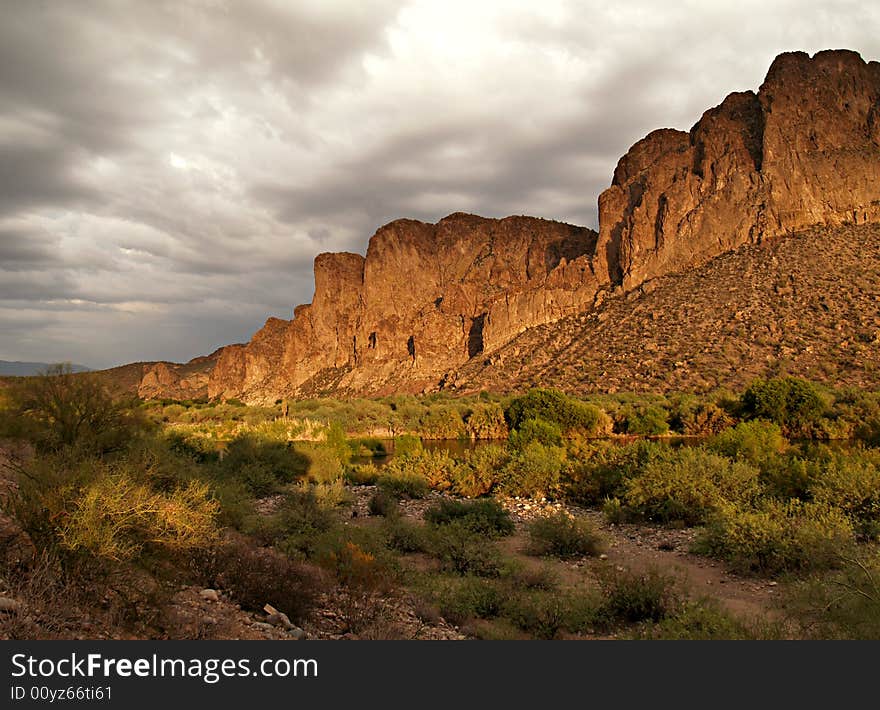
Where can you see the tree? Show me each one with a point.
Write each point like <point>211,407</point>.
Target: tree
<point>62,409</point>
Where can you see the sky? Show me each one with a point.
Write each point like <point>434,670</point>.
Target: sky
<point>169,170</point>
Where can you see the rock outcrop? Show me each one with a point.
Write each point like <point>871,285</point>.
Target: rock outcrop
<point>428,298</point>
<point>803,151</point>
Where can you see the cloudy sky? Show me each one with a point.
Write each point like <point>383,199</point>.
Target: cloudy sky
<point>168,170</point>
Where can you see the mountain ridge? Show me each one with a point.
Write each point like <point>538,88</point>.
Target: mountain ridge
<point>430,300</point>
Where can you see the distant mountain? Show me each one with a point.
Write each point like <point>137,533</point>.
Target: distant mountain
<point>24,369</point>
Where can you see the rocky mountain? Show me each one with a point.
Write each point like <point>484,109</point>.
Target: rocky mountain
<point>435,305</point>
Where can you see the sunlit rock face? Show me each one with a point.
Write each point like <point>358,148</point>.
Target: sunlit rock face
<point>428,298</point>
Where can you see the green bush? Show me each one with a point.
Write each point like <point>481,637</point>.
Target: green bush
<point>471,598</point>
<point>362,474</point>
<point>632,597</point>
<point>778,536</point>
<point>383,505</point>
<point>296,525</point>
<point>552,406</point>
<point>755,441</point>
<point>405,485</point>
<point>534,470</point>
<point>603,473</point>
<point>850,481</point>
<point>285,463</point>
<point>535,430</point>
<point>844,605</point>
<point>65,410</point>
<point>405,536</point>
<point>795,404</point>
<point>483,517</point>
<point>544,615</point>
<point>700,620</point>
<point>647,420</point>
<point>463,552</point>
<point>687,485</point>
<point>561,535</point>
<point>486,421</point>
<point>478,471</point>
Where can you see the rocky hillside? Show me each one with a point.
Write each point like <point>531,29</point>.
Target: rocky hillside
<point>430,304</point>
<point>807,305</point>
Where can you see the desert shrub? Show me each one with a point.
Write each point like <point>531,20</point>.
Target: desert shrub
<point>328,495</point>
<point>646,420</point>
<point>235,500</point>
<point>257,576</point>
<point>614,511</point>
<point>631,597</point>
<point>699,620</point>
<point>463,552</point>
<point>561,535</point>
<point>869,431</point>
<point>478,471</point>
<point>844,605</point>
<point>403,485</point>
<point>471,598</point>
<point>687,485</point>
<point>603,474</point>
<point>408,445</point>
<point>258,479</point>
<point>196,448</point>
<point>325,465</point>
<point>435,468</point>
<point>787,477</point>
<point>111,510</point>
<point>704,419</point>
<point>533,470</point>
<point>850,481</point>
<point>483,517</point>
<point>336,441</point>
<point>285,463</point>
<point>486,421</point>
<point>754,441</point>
<point>115,516</point>
<point>552,406</point>
<point>544,615</point>
<point>66,410</point>
<point>362,474</point>
<point>795,404</point>
<point>367,446</point>
<point>403,535</point>
<point>535,430</point>
<point>353,565</point>
<point>384,505</point>
<point>442,422</point>
<point>296,525</point>
<point>778,536</point>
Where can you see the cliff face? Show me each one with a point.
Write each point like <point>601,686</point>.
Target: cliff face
<point>428,298</point>
<point>803,151</point>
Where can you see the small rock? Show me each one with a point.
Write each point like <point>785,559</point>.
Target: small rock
<point>773,584</point>
<point>278,618</point>
<point>210,595</point>
<point>603,556</point>
<point>296,633</point>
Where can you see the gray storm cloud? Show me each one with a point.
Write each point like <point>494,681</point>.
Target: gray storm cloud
<point>169,170</point>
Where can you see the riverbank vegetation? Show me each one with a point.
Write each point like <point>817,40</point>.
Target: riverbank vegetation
<point>116,504</point>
